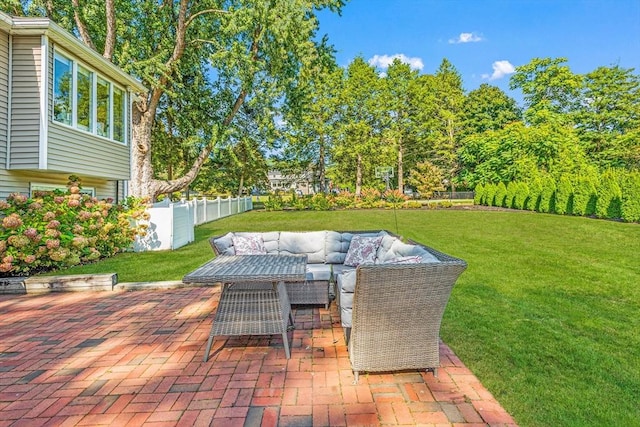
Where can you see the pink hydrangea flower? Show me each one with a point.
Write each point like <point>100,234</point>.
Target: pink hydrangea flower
<point>73,203</point>
<point>53,244</point>
<point>6,267</point>
<point>30,259</point>
<point>48,216</point>
<point>12,221</point>
<point>53,224</point>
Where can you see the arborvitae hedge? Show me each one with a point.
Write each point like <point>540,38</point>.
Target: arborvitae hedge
<point>547,195</point>
<point>510,200</point>
<point>609,203</point>
<point>615,194</point>
<point>501,194</point>
<point>479,196</point>
<point>631,197</point>
<point>490,194</point>
<point>564,196</point>
<point>535,189</point>
<point>584,196</point>
<point>521,196</point>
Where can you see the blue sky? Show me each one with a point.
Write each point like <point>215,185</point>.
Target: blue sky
<point>486,39</point>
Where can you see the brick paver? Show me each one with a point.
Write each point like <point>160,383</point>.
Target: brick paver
<point>135,358</point>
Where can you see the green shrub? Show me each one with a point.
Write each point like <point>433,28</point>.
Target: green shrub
<point>547,195</point>
<point>608,204</point>
<point>53,230</point>
<point>479,195</point>
<point>411,204</point>
<point>501,195</point>
<point>509,200</point>
<point>319,202</point>
<point>532,202</point>
<point>370,198</point>
<point>564,196</point>
<point>344,200</point>
<point>521,196</point>
<point>584,196</point>
<point>274,202</point>
<point>631,197</point>
<point>490,194</point>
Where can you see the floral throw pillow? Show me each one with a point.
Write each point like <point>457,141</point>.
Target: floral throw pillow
<point>362,250</point>
<point>251,244</point>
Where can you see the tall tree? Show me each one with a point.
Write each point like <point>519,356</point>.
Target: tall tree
<point>399,105</point>
<point>548,86</point>
<point>312,119</point>
<point>359,147</point>
<point>488,108</point>
<point>447,122</point>
<point>241,44</point>
<point>609,109</point>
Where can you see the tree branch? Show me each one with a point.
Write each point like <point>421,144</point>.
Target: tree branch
<point>82,28</point>
<point>110,39</point>
<point>202,12</point>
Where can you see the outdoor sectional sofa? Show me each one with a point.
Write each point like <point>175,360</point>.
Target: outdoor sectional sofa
<point>391,294</point>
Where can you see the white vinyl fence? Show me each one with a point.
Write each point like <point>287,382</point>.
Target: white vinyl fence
<point>171,225</point>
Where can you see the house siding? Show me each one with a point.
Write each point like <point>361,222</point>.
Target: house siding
<point>20,182</point>
<point>25,99</point>
<point>4,98</point>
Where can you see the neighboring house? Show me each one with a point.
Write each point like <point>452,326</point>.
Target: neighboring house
<point>302,183</point>
<point>64,110</point>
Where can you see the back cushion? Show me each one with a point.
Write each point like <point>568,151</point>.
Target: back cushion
<point>224,244</point>
<point>385,246</point>
<point>336,245</point>
<point>311,243</point>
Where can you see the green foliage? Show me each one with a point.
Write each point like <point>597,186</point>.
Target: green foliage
<point>521,195</point>
<point>490,194</point>
<point>370,198</point>
<point>501,195</point>
<point>394,197</point>
<point>547,195</point>
<point>426,178</point>
<point>631,197</point>
<point>479,195</point>
<point>608,204</point>
<point>584,196</point>
<point>532,202</point>
<point>344,200</point>
<point>510,199</point>
<point>53,230</point>
<point>564,196</point>
<point>274,202</point>
<point>319,202</point>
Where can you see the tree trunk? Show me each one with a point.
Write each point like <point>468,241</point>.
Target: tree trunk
<point>359,175</point>
<point>400,167</point>
<point>321,171</point>
<point>141,183</point>
<point>241,186</point>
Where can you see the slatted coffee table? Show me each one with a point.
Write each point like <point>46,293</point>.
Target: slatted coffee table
<point>254,298</point>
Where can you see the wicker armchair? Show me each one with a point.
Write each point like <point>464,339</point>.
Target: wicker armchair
<point>397,312</point>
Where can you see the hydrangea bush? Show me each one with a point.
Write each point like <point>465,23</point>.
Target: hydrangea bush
<point>57,229</point>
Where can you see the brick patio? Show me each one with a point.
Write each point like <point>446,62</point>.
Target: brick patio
<point>135,358</point>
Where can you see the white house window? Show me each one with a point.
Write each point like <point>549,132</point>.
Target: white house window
<point>62,89</point>
<point>87,101</point>
<point>84,106</point>
<point>119,113</point>
<point>104,107</point>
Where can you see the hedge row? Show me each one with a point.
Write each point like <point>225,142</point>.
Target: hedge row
<point>369,198</point>
<point>613,194</point>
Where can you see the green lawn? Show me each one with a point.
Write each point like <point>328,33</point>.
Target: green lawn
<point>547,315</point>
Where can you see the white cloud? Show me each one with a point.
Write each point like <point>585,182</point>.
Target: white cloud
<point>466,38</point>
<point>383,61</point>
<point>500,69</point>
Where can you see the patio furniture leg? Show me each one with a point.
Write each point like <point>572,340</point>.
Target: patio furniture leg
<point>285,340</point>
<point>356,377</point>
<point>209,343</point>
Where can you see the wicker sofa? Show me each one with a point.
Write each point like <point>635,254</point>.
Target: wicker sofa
<point>390,309</point>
